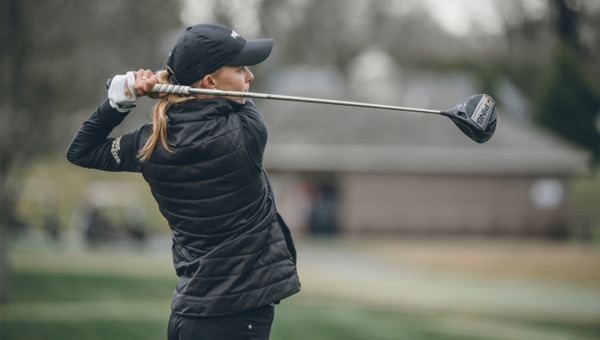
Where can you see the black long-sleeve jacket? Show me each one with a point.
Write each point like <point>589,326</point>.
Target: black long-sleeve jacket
<point>231,249</point>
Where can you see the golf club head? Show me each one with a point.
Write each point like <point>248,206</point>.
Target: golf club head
<point>475,116</point>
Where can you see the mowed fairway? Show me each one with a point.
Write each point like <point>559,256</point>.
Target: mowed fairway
<point>352,289</point>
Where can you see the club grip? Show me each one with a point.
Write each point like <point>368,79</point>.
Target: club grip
<point>168,88</point>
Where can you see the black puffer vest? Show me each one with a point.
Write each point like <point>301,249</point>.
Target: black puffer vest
<point>231,249</point>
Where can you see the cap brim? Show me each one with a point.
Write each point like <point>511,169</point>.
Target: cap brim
<point>255,52</point>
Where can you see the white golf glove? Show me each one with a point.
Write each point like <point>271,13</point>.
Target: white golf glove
<point>116,92</point>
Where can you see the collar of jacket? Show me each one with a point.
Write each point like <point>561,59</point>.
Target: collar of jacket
<point>201,109</point>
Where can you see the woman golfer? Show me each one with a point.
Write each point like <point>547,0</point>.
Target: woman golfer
<point>202,158</point>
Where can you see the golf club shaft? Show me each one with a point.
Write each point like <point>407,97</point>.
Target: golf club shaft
<point>186,90</point>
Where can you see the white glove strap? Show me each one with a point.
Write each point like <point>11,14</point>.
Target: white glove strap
<point>116,92</point>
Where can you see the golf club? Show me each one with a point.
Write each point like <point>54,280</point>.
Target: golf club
<point>475,116</point>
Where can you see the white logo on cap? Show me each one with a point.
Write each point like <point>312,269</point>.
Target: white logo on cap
<point>234,34</point>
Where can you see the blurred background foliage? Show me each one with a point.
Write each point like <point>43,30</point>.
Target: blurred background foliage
<point>55,55</point>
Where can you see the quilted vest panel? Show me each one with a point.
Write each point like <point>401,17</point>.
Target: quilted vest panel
<point>230,247</point>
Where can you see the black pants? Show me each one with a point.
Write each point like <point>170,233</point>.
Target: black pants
<point>254,324</point>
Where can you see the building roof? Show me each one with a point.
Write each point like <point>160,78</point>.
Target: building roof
<point>316,137</point>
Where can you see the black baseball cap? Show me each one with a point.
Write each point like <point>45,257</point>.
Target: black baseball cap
<point>203,49</point>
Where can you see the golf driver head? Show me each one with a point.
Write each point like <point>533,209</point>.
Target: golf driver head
<point>475,116</point>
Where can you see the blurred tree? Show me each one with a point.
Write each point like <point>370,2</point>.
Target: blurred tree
<point>334,32</point>
<point>569,103</point>
<point>55,58</point>
<point>551,62</point>
<point>567,17</point>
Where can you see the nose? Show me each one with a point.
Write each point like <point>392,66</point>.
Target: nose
<point>249,75</point>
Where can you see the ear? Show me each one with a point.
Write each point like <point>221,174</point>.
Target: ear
<point>208,82</point>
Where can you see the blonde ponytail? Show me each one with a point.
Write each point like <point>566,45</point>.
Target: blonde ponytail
<point>159,121</point>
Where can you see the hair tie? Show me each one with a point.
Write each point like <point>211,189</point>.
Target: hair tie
<point>172,78</point>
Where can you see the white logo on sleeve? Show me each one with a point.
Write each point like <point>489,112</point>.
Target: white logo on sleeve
<point>115,148</point>
<point>234,34</point>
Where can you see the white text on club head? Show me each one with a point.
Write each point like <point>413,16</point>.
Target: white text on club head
<point>483,111</point>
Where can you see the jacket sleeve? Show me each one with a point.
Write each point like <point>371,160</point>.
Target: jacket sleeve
<point>255,132</point>
<point>91,147</point>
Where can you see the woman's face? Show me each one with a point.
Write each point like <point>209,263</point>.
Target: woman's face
<point>233,78</point>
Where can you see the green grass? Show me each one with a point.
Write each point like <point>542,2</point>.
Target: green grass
<point>83,330</point>
<point>35,286</point>
<point>47,305</point>
<point>297,321</point>
<point>88,296</point>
